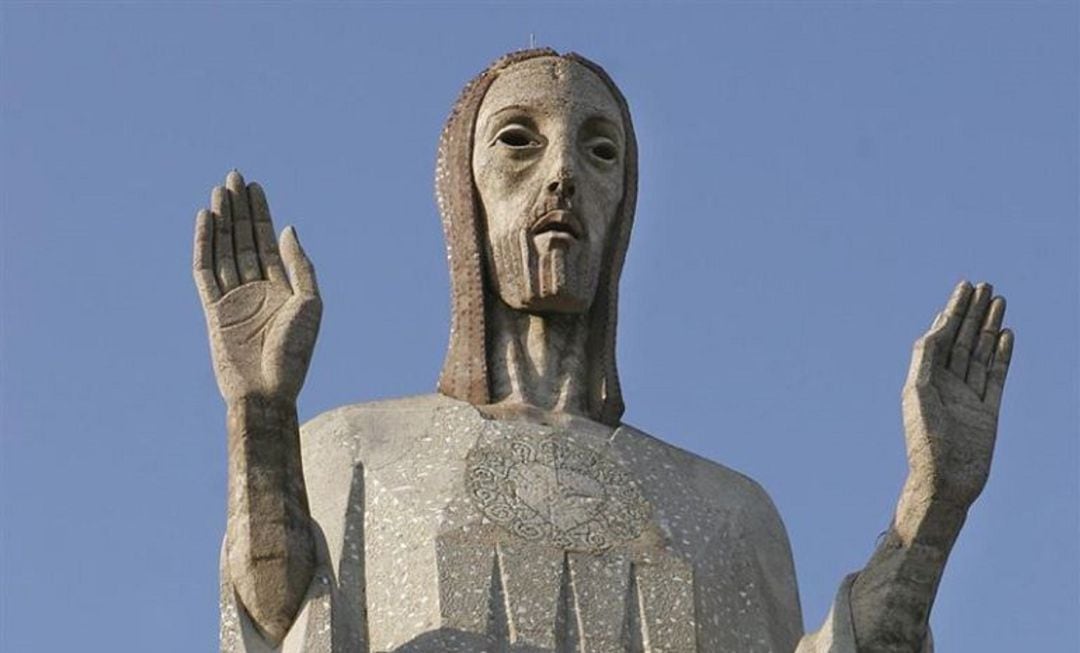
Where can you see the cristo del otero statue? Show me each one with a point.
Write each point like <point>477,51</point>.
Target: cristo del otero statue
<point>512,510</point>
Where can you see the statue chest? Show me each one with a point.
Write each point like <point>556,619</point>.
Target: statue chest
<point>446,531</point>
<point>514,595</point>
<point>530,538</point>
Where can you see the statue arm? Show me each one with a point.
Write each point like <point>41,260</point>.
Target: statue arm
<point>269,549</point>
<point>950,403</point>
<point>262,309</point>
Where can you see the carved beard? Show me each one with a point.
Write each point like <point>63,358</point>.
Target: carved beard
<point>542,273</point>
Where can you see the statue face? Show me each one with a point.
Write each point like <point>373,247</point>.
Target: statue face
<point>548,163</point>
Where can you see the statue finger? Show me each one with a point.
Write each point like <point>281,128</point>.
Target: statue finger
<point>999,368</point>
<point>224,257</point>
<point>959,299</point>
<point>301,271</point>
<point>247,259</point>
<point>988,333</point>
<point>926,354</point>
<point>265,239</point>
<point>984,345</point>
<point>202,264</point>
<point>952,316</point>
<point>960,356</point>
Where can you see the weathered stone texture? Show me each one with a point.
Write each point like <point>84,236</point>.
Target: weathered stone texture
<point>515,511</point>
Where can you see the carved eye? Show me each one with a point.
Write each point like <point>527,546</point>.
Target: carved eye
<point>603,149</point>
<point>517,137</point>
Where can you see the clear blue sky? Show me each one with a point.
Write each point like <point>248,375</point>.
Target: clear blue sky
<point>815,178</point>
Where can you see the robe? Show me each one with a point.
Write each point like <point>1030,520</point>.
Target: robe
<point>439,529</point>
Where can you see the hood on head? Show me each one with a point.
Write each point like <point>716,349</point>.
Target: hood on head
<point>465,372</point>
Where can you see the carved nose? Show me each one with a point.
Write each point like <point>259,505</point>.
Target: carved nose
<point>563,186</point>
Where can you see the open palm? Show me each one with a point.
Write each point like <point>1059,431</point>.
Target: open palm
<point>262,304</point>
<point>953,394</point>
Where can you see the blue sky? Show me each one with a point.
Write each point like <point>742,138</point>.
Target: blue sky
<point>815,178</point>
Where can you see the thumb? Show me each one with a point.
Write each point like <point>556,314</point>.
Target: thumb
<point>297,264</point>
<point>926,352</point>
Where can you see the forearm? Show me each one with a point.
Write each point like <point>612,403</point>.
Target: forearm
<point>269,540</point>
<point>892,596</point>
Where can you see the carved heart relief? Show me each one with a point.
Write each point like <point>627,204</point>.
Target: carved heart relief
<point>565,498</point>
<point>545,486</point>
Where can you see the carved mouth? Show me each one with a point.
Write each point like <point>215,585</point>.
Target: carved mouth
<point>557,222</point>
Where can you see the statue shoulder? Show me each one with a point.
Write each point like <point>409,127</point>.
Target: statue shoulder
<point>724,490</point>
<point>375,431</point>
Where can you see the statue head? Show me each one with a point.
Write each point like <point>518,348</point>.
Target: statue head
<point>536,183</point>
<point>547,163</point>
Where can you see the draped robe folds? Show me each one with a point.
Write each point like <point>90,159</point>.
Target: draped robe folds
<point>658,549</point>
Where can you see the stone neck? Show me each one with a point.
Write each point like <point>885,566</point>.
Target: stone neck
<point>538,361</point>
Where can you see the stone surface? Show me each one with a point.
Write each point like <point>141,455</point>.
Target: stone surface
<point>547,163</point>
<point>262,309</point>
<point>544,487</point>
<point>559,354</point>
<point>514,511</point>
<point>439,575</point>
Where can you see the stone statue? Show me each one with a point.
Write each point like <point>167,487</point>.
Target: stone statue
<point>513,510</point>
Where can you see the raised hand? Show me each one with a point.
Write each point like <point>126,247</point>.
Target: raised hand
<point>262,321</point>
<point>262,310</point>
<point>952,397</point>
<point>951,401</point>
